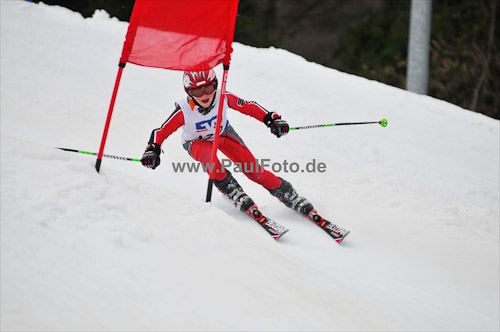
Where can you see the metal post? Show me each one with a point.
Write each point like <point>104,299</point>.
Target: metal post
<point>417,73</point>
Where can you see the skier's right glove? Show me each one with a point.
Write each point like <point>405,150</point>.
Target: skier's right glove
<point>151,157</point>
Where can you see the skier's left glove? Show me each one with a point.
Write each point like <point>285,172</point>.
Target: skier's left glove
<point>278,126</point>
<point>151,157</point>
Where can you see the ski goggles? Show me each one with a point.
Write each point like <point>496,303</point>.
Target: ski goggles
<point>208,89</point>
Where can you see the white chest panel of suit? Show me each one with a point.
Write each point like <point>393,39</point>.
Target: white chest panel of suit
<point>199,126</point>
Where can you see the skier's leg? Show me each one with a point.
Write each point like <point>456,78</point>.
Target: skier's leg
<point>201,151</point>
<point>235,149</point>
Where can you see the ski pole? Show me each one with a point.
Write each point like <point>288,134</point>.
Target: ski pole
<point>382,122</point>
<point>95,154</point>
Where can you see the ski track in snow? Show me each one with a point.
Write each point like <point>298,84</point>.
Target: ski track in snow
<point>135,249</point>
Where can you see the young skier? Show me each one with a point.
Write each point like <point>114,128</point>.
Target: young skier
<point>196,114</point>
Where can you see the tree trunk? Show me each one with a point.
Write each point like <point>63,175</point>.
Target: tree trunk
<point>487,59</point>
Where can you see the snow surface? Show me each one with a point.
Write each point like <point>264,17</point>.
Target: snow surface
<point>135,249</point>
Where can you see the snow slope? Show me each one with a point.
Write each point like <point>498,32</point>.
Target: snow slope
<point>135,249</point>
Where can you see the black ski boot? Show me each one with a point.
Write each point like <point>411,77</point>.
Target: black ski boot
<point>286,194</point>
<point>233,191</point>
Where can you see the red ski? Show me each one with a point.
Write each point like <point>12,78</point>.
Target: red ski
<point>336,232</point>
<point>273,228</point>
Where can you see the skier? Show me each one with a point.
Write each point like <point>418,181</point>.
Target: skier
<point>196,114</point>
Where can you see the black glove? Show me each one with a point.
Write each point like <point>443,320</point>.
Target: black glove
<point>278,127</point>
<point>151,158</point>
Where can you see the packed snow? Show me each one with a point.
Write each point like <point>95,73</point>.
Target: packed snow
<point>135,249</point>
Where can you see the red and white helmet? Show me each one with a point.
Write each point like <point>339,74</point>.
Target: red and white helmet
<point>194,79</point>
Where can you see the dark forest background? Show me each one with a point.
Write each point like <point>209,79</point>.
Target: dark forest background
<point>369,38</point>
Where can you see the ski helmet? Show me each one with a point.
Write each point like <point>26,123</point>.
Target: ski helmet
<point>196,79</point>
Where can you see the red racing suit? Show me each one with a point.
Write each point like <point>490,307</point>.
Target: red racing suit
<point>197,136</point>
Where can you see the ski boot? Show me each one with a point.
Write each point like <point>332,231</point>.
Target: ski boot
<point>231,189</point>
<point>288,196</point>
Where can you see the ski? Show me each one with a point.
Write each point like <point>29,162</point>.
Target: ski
<point>336,232</point>
<point>273,228</point>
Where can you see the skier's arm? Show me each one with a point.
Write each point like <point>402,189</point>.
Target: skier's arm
<point>174,122</point>
<point>273,120</point>
<point>250,108</point>
<point>151,157</point>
